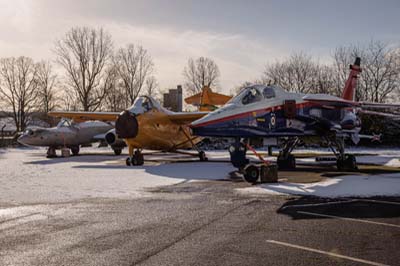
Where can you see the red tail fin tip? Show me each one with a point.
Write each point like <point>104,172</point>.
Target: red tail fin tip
<point>351,83</point>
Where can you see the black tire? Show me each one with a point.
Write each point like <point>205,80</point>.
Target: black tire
<point>292,161</point>
<point>351,162</point>
<point>128,161</point>
<point>202,156</point>
<point>286,164</point>
<point>117,151</point>
<point>347,163</point>
<point>251,173</point>
<point>134,161</point>
<point>51,153</point>
<point>75,150</point>
<point>139,159</point>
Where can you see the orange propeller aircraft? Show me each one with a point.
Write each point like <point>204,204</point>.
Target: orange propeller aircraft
<point>146,125</point>
<point>207,100</point>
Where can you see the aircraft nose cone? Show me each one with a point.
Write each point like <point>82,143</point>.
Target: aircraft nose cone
<point>126,125</point>
<point>25,139</point>
<point>21,139</point>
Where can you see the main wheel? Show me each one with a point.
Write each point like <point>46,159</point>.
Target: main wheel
<point>251,173</point>
<point>51,153</point>
<point>347,163</point>
<point>138,158</point>
<point>75,150</point>
<point>128,161</point>
<point>117,151</point>
<point>202,156</point>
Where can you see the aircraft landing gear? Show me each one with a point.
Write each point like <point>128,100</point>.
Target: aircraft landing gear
<point>51,152</point>
<point>117,151</point>
<point>136,159</point>
<point>346,162</point>
<point>202,156</point>
<point>288,163</point>
<point>75,150</point>
<point>285,160</point>
<point>237,152</point>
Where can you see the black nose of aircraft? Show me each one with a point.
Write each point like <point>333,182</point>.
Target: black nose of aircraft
<point>126,125</point>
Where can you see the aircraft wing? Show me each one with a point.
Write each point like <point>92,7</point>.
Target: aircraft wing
<point>185,117</point>
<point>379,105</point>
<point>369,112</point>
<point>83,116</point>
<point>362,107</point>
<point>339,102</point>
<point>212,98</point>
<point>329,100</point>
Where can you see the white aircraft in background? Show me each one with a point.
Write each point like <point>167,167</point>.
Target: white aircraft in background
<point>71,135</point>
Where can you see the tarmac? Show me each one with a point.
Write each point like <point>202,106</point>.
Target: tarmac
<point>205,223</point>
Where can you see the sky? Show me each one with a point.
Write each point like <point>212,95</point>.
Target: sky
<point>240,36</point>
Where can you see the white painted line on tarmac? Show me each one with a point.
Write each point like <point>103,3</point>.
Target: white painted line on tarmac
<point>326,253</point>
<point>348,219</point>
<point>380,201</point>
<point>318,204</point>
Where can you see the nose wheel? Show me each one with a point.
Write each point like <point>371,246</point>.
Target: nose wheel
<point>136,159</point>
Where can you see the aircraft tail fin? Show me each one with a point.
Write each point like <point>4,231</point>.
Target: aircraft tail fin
<point>351,83</point>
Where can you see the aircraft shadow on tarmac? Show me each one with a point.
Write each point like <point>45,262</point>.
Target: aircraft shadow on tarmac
<point>86,158</point>
<point>182,170</point>
<point>375,207</point>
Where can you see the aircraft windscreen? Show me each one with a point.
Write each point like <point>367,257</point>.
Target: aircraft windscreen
<point>64,123</point>
<point>247,96</point>
<point>252,95</point>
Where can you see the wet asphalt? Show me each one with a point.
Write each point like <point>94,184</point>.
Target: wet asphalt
<point>203,223</point>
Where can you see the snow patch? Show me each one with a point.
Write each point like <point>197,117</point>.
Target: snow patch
<point>345,186</point>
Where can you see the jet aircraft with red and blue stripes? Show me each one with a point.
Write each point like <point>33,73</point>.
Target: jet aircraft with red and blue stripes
<point>292,119</point>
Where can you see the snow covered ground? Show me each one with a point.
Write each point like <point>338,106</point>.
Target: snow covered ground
<point>26,176</point>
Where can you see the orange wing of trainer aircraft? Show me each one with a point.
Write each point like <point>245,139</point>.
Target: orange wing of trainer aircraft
<point>146,125</point>
<point>207,100</point>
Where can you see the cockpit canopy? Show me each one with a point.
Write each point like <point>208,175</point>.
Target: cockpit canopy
<point>65,123</point>
<point>143,104</point>
<point>255,93</point>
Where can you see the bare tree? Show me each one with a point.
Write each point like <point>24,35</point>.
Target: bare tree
<point>298,73</point>
<point>134,66</point>
<point>84,54</point>
<point>19,87</point>
<point>68,99</point>
<point>199,73</point>
<point>115,99</point>
<point>47,82</point>
<point>343,57</point>
<point>324,81</point>
<point>152,87</point>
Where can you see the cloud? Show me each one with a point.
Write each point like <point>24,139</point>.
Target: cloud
<point>31,28</point>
